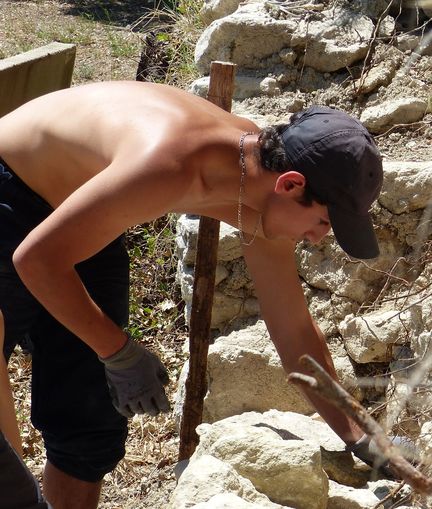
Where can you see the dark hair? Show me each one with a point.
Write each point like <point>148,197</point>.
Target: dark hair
<point>274,158</point>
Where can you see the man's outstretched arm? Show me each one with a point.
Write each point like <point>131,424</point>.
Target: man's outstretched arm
<point>290,325</point>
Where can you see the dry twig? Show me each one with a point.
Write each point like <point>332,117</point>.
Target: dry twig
<point>326,387</point>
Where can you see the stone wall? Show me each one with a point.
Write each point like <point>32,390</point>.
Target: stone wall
<point>376,315</point>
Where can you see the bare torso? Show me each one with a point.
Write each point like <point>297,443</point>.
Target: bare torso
<point>111,155</point>
<point>74,134</point>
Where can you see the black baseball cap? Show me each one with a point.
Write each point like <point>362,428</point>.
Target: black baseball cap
<point>343,168</point>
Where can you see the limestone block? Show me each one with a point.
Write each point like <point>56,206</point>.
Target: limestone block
<point>407,186</point>
<point>207,477</point>
<point>334,42</point>
<point>289,425</point>
<point>215,9</point>
<point>345,497</point>
<point>187,234</point>
<point>245,373</point>
<point>274,466</point>
<point>338,464</point>
<point>225,307</point>
<point>244,87</point>
<point>387,28</point>
<point>256,37</point>
<point>380,118</point>
<point>407,42</point>
<point>248,37</point>
<point>231,501</point>
<point>382,73</point>
<point>267,452</point>
<point>368,337</point>
<point>326,267</point>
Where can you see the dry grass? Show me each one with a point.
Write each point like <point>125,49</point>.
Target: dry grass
<point>109,46</point>
<point>105,50</point>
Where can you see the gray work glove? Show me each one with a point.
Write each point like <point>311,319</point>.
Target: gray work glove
<point>136,379</point>
<point>367,450</point>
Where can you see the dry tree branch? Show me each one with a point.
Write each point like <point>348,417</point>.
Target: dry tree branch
<point>421,124</point>
<point>389,496</point>
<point>326,387</point>
<point>371,47</point>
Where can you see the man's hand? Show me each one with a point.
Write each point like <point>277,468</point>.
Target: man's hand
<point>367,450</point>
<point>136,379</point>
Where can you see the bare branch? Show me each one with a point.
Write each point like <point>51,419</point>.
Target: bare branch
<point>326,387</point>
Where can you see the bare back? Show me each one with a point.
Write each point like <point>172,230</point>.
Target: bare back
<point>72,135</point>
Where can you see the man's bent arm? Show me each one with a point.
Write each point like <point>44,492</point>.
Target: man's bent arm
<point>292,329</point>
<point>82,225</point>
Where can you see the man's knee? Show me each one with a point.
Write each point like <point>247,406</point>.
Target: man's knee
<point>86,456</point>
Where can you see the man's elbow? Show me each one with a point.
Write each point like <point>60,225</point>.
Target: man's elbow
<point>26,263</point>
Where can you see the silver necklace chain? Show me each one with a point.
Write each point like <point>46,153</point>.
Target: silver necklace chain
<point>241,193</point>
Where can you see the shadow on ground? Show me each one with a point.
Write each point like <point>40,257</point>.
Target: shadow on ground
<point>117,12</point>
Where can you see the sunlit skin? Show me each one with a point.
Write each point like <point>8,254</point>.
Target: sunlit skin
<point>311,222</point>
<point>108,156</point>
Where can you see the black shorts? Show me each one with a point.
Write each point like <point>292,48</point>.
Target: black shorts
<point>84,435</point>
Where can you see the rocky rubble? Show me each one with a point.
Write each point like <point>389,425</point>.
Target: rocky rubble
<point>375,63</point>
<point>277,460</point>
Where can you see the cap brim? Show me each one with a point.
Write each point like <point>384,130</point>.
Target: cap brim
<point>354,233</point>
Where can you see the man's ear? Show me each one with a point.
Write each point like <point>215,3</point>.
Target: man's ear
<point>290,181</point>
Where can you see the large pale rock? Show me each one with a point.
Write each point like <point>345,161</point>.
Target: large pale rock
<point>248,38</point>
<point>233,296</point>
<point>367,337</point>
<point>231,501</point>
<point>345,497</point>
<point>187,226</point>
<point>258,35</point>
<point>382,72</point>
<point>326,267</point>
<point>261,460</point>
<point>245,373</point>
<point>244,87</point>
<point>207,477</point>
<point>338,464</point>
<point>382,117</point>
<point>274,466</point>
<point>337,40</point>
<point>407,186</point>
<point>215,9</point>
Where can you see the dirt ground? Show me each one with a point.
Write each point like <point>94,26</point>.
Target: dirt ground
<point>108,47</point>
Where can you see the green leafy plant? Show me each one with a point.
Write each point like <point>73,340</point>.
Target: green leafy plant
<point>155,303</point>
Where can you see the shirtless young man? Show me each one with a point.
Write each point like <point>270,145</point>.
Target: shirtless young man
<point>79,167</point>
